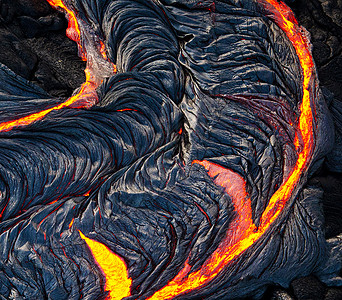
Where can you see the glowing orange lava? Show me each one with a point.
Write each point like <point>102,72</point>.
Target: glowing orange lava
<point>72,222</point>
<point>242,232</point>
<point>73,31</point>
<point>86,93</point>
<point>85,98</point>
<point>118,283</point>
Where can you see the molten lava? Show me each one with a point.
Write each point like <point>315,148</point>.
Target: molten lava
<point>118,283</point>
<point>86,92</point>
<point>73,31</point>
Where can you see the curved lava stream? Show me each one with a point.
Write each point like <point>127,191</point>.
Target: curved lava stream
<point>245,232</point>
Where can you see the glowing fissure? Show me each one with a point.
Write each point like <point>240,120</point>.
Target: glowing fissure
<point>242,232</point>
<point>118,283</point>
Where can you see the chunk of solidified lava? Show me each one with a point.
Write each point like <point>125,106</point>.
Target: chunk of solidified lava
<point>178,169</point>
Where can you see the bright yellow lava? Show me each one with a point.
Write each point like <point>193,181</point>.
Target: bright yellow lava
<point>73,30</point>
<point>118,284</point>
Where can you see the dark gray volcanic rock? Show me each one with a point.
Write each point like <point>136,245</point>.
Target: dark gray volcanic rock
<point>34,45</point>
<point>323,20</point>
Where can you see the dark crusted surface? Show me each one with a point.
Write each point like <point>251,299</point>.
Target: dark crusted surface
<point>33,44</point>
<point>323,19</point>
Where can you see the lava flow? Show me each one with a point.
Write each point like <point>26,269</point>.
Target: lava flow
<point>242,233</point>
<point>245,232</point>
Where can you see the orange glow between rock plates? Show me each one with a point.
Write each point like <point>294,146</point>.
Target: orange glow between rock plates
<point>118,284</point>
